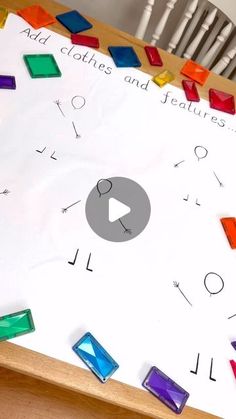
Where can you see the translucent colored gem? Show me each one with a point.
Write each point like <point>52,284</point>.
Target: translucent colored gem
<point>36,16</point>
<point>3,16</point>
<point>7,82</point>
<point>163,78</point>
<point>234,345</point>
<point>190,90</point>
<point>166,390</point>
<point>233,365</point>
<point>124,56</point>
<point>95,357</point>
<point>74,21</point>
<point>153,55</point>
<point>229,226</point>
<point>16,324</point>
<point>195,72</point>
<point>88,41</point>
<point>222,101</point>
<point>42,65</point>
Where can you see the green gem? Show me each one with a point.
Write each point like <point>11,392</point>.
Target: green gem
<point>42,65</point>
<point>16,324</point>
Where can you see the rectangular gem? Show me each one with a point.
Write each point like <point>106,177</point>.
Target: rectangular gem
<point>95,357</point>
<point>190,90</point>
<point>16,324</point>
<point>42,65</point>
<point>7,82</point>
<point>166,390</point>
<point>3,16</point>
<point>153,55</point>
<point>88,41</point>
<point>229,226</point>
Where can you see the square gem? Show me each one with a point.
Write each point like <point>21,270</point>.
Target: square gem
<point>42,65</point>
<point>74,21</point>
<point>95,357</point>
<point>124,56</point>
<point>36,16</point>
<point>16,324</point>
<point>163,78</point>
<point>166,390</point>
<point>3,16</point>
<point>195,72</point>
<point>7,82</point>
<point>222,101</point>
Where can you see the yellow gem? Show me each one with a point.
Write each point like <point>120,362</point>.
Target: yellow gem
<point>163,78</point>
<point>3,16</point>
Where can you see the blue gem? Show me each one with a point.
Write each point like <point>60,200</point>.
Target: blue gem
<point>166,390</point>
<point>124,56</point>
<point>95,357</point>
<point>74,21</point>
<point>234,345</point>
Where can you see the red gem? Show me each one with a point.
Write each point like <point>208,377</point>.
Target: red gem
<point>190,90</point>
<point>233,365</point>
<point>222,101</point>
<point>88,41</point>
<point>153,55</point>
<point>229,226</point>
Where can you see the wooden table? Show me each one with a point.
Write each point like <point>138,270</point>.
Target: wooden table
<point>33,386</point>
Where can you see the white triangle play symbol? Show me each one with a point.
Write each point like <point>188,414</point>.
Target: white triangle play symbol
<point>117,209</point>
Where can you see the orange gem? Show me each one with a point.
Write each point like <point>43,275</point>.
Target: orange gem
<point>195,72</point>
<point>229,226</point>
<point>36,16</point>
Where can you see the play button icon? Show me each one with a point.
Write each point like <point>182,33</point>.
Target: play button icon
<point>117,209</point>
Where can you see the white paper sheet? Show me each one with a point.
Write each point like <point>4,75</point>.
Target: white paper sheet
<point>139,132</point>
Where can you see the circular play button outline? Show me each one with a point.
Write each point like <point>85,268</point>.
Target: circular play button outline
<point>121,192</point>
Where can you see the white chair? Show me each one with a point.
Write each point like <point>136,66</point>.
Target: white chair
<point>204,32</point>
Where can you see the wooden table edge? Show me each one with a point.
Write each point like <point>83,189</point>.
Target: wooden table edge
<point>68,376</point>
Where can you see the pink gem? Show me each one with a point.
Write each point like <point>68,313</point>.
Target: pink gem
<point>222,101</point>
<point>190,90</point>
<point>233,365</point>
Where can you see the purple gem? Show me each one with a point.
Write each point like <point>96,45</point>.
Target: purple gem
<point>166,390</point>
<point>234,345</point>
<point>7,82</point>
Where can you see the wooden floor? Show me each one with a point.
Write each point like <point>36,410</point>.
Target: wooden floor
<point>23,397</point>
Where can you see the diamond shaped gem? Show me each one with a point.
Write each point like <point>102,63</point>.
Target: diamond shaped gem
<point>222,101</point>
<point>166,390</point>
<point>95,357</point>
<point>124,56</point>
<point>16,324</point>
